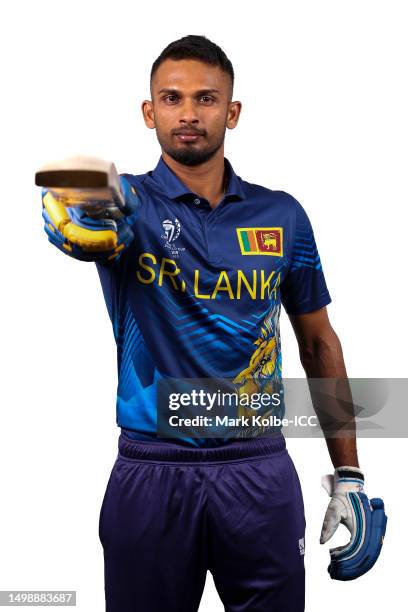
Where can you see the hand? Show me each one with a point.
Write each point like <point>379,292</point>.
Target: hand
<point>364,518</point>
<point>340,510</point>
<point>75,233</point>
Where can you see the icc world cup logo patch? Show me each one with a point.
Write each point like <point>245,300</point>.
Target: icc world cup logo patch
<point>261,240</point>
<point>172,231</point>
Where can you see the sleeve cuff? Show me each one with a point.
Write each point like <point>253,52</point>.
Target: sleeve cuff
<point>310,305</point>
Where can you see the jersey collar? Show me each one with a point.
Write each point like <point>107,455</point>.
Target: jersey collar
<point>174,188</point>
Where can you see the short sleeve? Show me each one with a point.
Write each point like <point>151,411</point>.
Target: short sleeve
<point>304,287</point>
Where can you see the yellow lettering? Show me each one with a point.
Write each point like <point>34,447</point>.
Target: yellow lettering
<point>146,281</point>
<point>276,285</point>
<point>265,283</point>
<point>223,276</point>
<point>170,274</point>
<point>251,290</point>
<point>168,267</point>
<point>196,293</point>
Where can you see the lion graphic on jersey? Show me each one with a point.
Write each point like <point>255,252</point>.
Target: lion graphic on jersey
<point>265,366</point>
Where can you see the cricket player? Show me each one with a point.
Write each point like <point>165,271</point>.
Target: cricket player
<point>193,278</point>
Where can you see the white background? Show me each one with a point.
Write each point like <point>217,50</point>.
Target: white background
<point>324,93</point>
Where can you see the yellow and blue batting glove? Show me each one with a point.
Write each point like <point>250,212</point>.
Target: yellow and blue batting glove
<point>78,235</point>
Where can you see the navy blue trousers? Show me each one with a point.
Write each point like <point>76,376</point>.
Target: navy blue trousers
<point>170,513</point>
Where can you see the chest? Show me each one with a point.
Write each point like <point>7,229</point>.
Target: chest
<point>233,252</point>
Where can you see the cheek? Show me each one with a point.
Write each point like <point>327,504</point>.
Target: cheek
<point>164,123</point>
<point>216,124</point>
<point>163,128</point>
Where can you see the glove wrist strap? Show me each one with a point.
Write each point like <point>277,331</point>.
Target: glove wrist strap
<point>349,473</point>
<point>348,478</point>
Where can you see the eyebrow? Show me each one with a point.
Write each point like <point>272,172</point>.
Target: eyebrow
<point>199,92</point>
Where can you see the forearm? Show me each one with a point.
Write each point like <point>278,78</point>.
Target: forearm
<point>324,360</point>
<point>343,451</point>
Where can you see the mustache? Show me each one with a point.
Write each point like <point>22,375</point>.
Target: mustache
<point>188,130</point>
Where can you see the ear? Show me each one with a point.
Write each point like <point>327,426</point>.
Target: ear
<point>148,114</point>
<point>234,112</point>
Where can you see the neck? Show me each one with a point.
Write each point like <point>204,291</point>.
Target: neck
<point>206,179</point>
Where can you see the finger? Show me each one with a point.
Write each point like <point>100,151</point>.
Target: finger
<point>56,211</point>
<point>328,483</point>
<point>89,240</point>
<point>330,523</point>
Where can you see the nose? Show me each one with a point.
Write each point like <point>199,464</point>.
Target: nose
<point>188,112</point>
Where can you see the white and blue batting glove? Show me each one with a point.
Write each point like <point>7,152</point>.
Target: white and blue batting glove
<point>364,518</point>
<point>78,235</point>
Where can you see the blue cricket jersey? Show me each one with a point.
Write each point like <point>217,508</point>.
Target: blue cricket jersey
<point>198,292</point>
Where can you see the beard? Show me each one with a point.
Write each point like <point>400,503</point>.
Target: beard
<point>187,154</point>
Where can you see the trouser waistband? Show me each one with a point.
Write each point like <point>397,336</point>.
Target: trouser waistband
<point>238,449</point>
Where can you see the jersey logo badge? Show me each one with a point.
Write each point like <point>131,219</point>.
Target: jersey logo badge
<point>261,240</point>
<point>171,233</point>
<point>171,230</point>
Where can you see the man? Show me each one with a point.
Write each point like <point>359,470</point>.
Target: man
<point>193,288</point>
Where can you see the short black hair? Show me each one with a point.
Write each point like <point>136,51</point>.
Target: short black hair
<point>195,47</point>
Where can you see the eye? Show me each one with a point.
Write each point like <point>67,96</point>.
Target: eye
<point>207,99</point>
<point>171,98</point>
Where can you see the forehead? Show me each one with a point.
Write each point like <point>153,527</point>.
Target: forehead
<point>190,75</point>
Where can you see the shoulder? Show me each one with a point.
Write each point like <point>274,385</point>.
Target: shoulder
<point>138,181</point>
<point>276,196</point>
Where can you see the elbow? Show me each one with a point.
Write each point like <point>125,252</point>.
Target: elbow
<point>323,356</point>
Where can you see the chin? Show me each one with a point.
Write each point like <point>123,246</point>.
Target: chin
<point>189,156</point>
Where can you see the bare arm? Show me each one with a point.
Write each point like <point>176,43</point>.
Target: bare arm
<point>321,356</point>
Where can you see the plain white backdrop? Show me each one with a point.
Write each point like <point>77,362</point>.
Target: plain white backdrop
<point>324,93</point>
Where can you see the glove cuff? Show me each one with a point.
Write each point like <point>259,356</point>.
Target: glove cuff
<point>349,471</point>
<point>345,478</point>
<point>348,477</point>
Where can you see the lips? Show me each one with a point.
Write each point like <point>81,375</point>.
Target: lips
<point>187,135</point>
